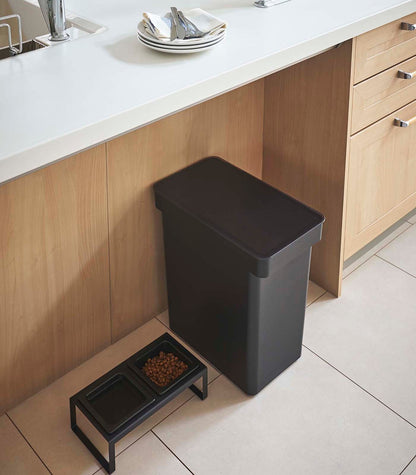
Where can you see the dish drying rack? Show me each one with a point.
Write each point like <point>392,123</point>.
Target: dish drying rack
<point>13,50</point>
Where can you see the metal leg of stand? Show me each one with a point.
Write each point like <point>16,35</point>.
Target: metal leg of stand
<point>204,393</point>
<point>111,457</point>
<point>110,464</point>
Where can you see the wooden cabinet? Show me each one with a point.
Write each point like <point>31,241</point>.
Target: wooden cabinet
<point>384,93</point>
<point>381,178</point>
<point>379,49</point>
<point>81,249</point>
<point>54,280</point>
<point>74,231</point>
<point>306,114</point>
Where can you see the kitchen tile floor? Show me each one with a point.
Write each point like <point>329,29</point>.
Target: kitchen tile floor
<point>348,406</point>
<point>411,468</point>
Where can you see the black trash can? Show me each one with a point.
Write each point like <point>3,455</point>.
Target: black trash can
<point>237,263</point>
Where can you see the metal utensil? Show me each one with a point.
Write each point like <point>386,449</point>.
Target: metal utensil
<point>173,30</point>
<point>180,29</point>
<point>192,31</point>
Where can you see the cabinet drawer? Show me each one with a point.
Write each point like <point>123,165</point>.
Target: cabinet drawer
<point>382,94</point>
<point>381,178</point>
<point>383,47</point>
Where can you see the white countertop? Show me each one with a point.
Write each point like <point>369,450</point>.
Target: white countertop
<point>57,101</point>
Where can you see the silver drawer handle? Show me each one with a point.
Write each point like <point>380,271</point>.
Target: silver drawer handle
<point>408,26</point>
<point>405,75</point>
<point>404,123</point>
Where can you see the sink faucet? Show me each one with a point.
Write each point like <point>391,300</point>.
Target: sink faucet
<point>268,3</point>
<point>53,12</point>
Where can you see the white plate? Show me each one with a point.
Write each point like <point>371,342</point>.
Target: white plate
<point>170,46</point>
<point>194,41</point>
<point>165,49</point>
<point>173,44</point>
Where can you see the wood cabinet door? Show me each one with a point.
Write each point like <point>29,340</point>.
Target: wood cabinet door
<point>381,178</point>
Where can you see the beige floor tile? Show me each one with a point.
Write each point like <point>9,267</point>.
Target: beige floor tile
<point>369,333</point>
<point>314,292</point>
<point>369,251</point>
<point>310,420</point>
<point>44,418</point>
<point>16,456</point>
<point>148,456</point>
<point>402,251</point>
<point>411,469</point>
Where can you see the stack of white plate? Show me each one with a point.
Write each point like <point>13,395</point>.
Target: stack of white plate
<point>191,45</point>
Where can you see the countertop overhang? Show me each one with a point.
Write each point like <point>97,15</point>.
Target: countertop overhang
<point>57,101</point>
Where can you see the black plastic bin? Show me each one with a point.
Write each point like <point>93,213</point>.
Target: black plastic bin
<point>237,263</point>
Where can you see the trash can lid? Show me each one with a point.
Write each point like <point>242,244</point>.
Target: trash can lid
<point>245,210</point>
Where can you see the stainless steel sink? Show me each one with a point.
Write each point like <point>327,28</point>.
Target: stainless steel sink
<point>27,46</point>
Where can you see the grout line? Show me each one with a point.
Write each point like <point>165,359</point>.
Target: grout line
<point>108,242</point>
<point>361,387</point>
<point>378,250</point>
<point>397,267</point>
<point>176,409</point>
<point>159,422</point>
<point>216,377</point>
<point>216,369</point>
<point>411,460</point>
<point>317,298</point>
<point>28,443</point>
<point>173,453</point>
<point>163,323</point>
<point>125,448</point>
<point>360,265</point>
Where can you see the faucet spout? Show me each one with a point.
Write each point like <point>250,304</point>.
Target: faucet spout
<point>268,3</point>
<point>53,12</point>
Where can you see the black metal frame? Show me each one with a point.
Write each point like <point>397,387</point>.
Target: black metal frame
<point>76,401</point>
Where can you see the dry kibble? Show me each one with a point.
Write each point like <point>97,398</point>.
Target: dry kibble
<point>164,368</point>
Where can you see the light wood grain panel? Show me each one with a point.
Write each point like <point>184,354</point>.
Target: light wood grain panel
<point>382,179</point>
<point>305,145</point>
<point>382,94</point>
<point>54,286</point>
<point>229,126</point>
<point>383,47</point>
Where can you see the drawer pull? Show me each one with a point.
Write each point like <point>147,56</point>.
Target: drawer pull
<point>405,75</point>
<point>404,123</point>
<point>408,26</point>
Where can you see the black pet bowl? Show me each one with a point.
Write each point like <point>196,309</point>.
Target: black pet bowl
<point>123,398</point>
<point>167,344</point>
<point>116,400</point>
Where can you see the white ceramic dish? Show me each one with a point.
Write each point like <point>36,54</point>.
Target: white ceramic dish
<point>195,41</point>
<point>171,46</point>
<point>177,50</point>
